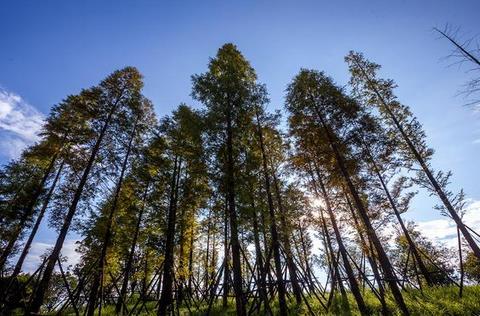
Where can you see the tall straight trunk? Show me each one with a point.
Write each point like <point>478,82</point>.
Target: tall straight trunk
<point>129,263</point>
<point>99,276</point>
<point>273,227</point>
<point>166,295</point>
<point>143,295</point>
<point>27,213</point>
<point>370,258</point>
<point>42,287</point>
<point>28,244</point>
<point>261,275</point>
<point>382,256</point>
<point>308,269</point>
<point>335,272</point>
<point>292,269</point>
<point>213,261</point>
<point>207,256</point>
<point>343,252</point>
<point>226,252</point>
<point>190,265</point>
<point>411,244</point>
<point>181,263</point>
<point>423,164</point>
<point>234,242</point>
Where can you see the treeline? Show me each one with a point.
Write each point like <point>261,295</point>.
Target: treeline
<point>205,205</point>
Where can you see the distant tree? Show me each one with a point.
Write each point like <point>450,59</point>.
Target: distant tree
<point>472,267</point>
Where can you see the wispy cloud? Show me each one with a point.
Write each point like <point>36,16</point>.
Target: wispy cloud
<point>19,124</point>
<point>444,229</point>
<point>39,249</point>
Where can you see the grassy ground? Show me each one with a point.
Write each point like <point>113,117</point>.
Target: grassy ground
<point>433,301</point>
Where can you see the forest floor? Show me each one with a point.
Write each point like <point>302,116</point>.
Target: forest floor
<point>443,300</point>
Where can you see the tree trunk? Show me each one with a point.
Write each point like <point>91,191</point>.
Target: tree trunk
<point>273,227</point>
<point>129,263</point>
<point>292,269</point>
<point>382,256</point>
<point>28,244</point>
<point>343,252</point>
<point>370,257</point>
<point>27,214</point>
<point>166,296</point>
<point>261,275</point>
<point>411,244</point>
<point>99,276</point>
<point>234,242</point>
<point>42,287</point>
<point>226,273</point>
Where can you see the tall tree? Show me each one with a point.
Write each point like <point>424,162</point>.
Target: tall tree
<point>116,92</point>
<point>313,99</point>
<point>228,90</point>
<point>379,92</point>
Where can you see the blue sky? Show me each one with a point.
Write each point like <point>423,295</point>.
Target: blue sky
<point>50,49</point>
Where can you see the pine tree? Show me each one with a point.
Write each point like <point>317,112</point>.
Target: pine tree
<point>379,92</point>
<point>113,94</point>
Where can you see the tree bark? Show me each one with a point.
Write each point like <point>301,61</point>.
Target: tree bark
<point>166,296</point>
<point>234,242</point>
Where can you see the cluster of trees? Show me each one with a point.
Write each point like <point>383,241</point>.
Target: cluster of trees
<point>205,205</point>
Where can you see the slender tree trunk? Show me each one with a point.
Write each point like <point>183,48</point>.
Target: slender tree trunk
<point>213,262</point>
<point>460,293</point>
<point>382,256</point>
<point>273,227</point>
<point>28,244</point>
<point>438,189</point>
<point>261,275</point>
<point>28,213</point>
<point>370,258</point>
<point>308,269</point>
<point>129,263</point>
<point>234,242</point>
<point>226,273</point>
<point>166,296</point>
<point>190,265</point>
<point>207,255</point>
<point>343,252</point>
<point>99,274</point>
<point>411,244</point>
<point>42,287</point>
<point>181,263</point>
<point>292,269</point>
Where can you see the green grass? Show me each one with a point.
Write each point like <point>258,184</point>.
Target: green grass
<point>434,301</point>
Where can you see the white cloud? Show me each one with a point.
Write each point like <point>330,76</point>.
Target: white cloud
<point>444,229</point>
<point>19,124</point>
<point>39,249</point>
